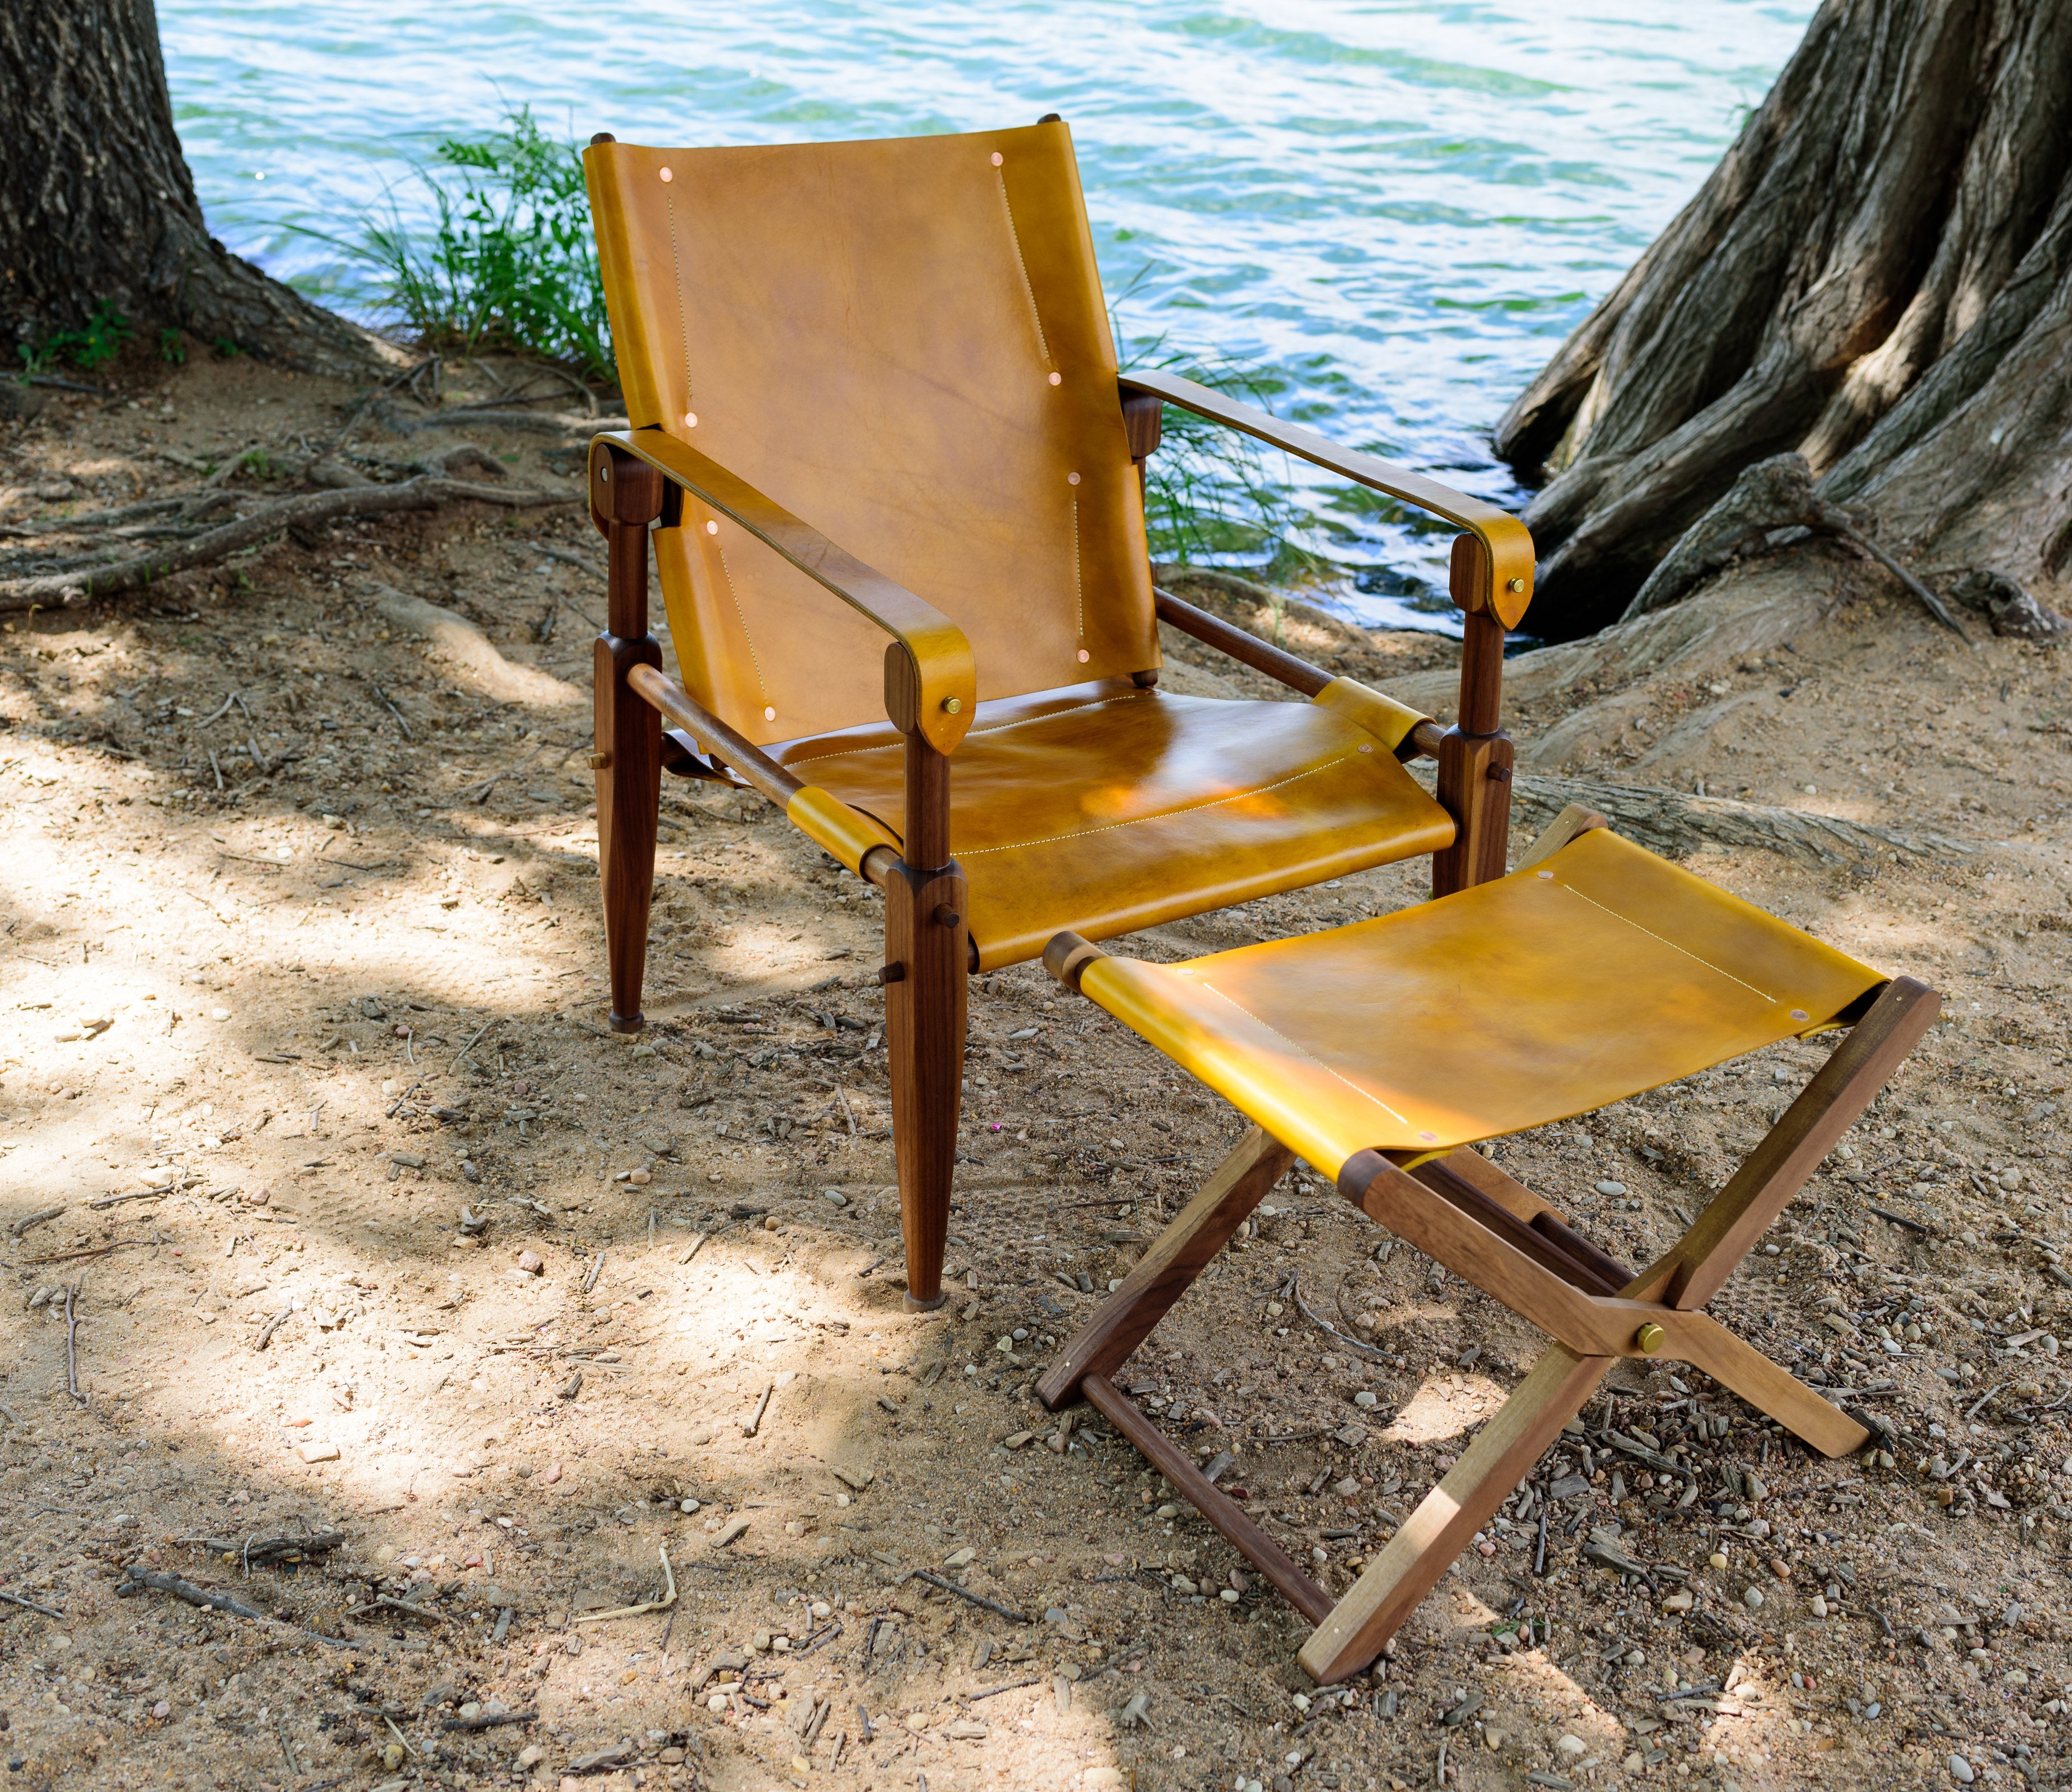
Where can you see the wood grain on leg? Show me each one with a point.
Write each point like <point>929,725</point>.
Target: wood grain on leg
<point>924,1038</point>
<point>1487,1475</point>
<point>1691,1271</point>
<point>1704,1343</point>
<point>626,495</point>
<point>1169,1268</point>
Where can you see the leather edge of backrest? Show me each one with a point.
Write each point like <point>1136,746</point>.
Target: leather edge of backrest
<point>604,169</point>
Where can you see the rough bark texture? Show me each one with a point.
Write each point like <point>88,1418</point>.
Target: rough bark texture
<point>97,206</point>
<point>1878,276</point>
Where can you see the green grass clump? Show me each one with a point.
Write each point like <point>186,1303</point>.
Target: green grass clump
<point>510,264</point>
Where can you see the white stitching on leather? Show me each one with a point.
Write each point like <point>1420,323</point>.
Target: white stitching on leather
<point>1300,1052</point>
<point>1163,814</point>
<point>1014,236</point>
<point>755,658</point>
<point>683,325</point>
<point>1671,943</point>
<point>1078,578</point>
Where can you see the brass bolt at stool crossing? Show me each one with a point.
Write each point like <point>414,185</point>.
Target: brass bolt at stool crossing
<point>1649,1338</point>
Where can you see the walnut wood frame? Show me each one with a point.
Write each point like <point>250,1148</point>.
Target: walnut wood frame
<point>1463,1212</point>
<point>638,479</point>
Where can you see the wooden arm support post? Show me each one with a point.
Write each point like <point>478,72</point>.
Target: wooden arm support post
<point>626,496</point>
<point>926,953</point>
<point>1475,754</point>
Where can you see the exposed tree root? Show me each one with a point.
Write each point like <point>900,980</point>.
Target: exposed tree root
<point>71,586</point>
<point>1676,824</point>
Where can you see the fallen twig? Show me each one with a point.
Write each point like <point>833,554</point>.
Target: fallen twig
<point>994,1691</point>
<point>1328,1330</point>
<point>30,1604</point>
<point>269,1549</point>
<point>762,1406</point>
<point>98,1251</point>
<point>976,1599</point>
<point>662,1603</point>
<point>189,1593</point>
<point>1900,1219</point>
<point>66,590</point>
<point>72,1338</point>
<point>405,1605</point>
<point>29,1222</point>
<point>272,1325</point>
<point>489,1720</point>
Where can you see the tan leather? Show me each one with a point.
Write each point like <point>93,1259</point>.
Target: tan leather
<point>1601,972</point>
<point>1390,722</point>
<point>848,833</point>
<point>1102,807</point>
<point>904,344</point>
<point>946,679</point>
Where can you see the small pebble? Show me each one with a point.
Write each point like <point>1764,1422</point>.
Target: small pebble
<point>1365,1399</point>
<point>1960,1770</point>
<point>1752,1599</point>
<point>530,1263</point>
<point>1611,1188</point>
<point>640,1178</point>
<point>1570,1745</point>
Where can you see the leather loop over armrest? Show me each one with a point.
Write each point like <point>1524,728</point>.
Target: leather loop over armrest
<point>1507,543</point>
<point>948,672</point>
<point>1390,722</point>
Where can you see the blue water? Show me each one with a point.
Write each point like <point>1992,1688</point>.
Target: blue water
<point>1401,208</point>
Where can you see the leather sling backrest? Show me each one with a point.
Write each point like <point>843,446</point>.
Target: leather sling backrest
<point>903,343</point>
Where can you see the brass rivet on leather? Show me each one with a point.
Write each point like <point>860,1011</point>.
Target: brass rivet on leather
<point>1649,1338</point>
<point>1071,478</point>
<point>997,159</point>
<point>769,715</point>
<point>712,529</point>
<point>1057,378</point>
<point>667,176</point>
<point>690,420</point>
<point>952,706</point>
<point>1799,1014</point>
<point>1515,584</point>
<point>1084,656</point>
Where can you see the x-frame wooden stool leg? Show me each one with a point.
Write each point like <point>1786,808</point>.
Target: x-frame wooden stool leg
<point>1463,1212</point>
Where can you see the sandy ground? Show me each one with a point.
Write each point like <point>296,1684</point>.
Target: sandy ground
<point>288,994</point>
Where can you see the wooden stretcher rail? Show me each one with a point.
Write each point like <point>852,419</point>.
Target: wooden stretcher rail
<point>756,766</point>
<point>1219,1509</point>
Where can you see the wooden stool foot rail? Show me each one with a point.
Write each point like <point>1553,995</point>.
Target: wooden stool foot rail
<point>1466,1212</point>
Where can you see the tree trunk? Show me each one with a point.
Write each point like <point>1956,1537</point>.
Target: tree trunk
<point>97,206</point>
<point>1878,276</point>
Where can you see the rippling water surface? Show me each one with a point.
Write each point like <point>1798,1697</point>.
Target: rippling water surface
<point>1401,208</point>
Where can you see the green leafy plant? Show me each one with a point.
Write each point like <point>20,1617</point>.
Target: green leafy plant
<point>510,263</point>
<point>103,338</point>
<point>172,346</point>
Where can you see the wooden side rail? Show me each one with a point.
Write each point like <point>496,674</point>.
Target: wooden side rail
<point>1219,1509</point>
<point>655,686</point>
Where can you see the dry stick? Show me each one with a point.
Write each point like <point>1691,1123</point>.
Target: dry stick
<point>1330,1330</point>
<point>72,1338</point>
<point>405,1605</point>
<point>596,1270</point>
<point>274,1325</point>
<point>994,1691</point>
<point>29,1222</point>
<point>101,1250</point>
<point>426,492</point>
<point>488,1721</point>
<point>383,697</point>
<point>140,1194</point>
<point>472,1043</point>
<point>30,1604</point>
<point>662,1603</point>
<point>1930,602</point>
<point>189,1593</point>
<point>976,1599</point>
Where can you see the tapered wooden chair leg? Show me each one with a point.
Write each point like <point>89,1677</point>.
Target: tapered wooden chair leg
<point>629,796</point>
<point>926,945</point>
<point>1502,1452</point>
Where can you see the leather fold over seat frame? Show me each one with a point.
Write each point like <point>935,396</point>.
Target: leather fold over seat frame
<point>1382,1053</point>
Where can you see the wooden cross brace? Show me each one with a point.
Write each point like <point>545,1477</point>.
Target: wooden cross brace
<point>1462,1211</point>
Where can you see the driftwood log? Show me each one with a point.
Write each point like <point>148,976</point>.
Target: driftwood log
<point>1878,276</point>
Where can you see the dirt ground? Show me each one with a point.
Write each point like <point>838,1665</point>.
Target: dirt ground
<point>294,994</point>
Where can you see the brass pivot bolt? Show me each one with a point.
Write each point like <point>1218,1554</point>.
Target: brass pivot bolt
<point>952,706</point>
<point>1649,1338</point>
<point>1515,584</point>
<point>599,761</point>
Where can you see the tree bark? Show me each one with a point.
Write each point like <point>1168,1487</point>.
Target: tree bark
<point>1878,276</point>
<point>98,208</point>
